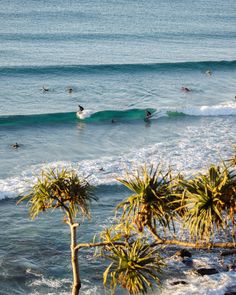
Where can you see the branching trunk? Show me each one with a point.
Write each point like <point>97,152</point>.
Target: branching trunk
<point>99,244</point>
<point>154,233</point>
<point>196,245</point>
<point>74,258</point>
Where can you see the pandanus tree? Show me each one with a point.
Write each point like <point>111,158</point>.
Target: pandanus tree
<point>63,190</point>
<point>210,202</point>
<point>151,201</point>
<point>202,204</point>
<point>135,265</point>
<point>158,200</point>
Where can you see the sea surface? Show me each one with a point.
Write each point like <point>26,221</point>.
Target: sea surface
<point>120,59</point>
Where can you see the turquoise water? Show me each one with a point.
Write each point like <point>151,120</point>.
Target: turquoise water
<point>121,59</point>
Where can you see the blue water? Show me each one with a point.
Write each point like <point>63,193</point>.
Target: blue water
<point>121,59</point>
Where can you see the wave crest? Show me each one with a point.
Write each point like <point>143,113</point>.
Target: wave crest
<point>206,111</point>
<point>118,68</point>
<point>104,116</point>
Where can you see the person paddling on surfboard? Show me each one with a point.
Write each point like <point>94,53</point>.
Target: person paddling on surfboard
<point>185,89</point>
<point>15,145</point>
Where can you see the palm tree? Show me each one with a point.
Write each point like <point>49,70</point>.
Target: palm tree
<point>66,191</point>
<point>204,203</point>
<point>151,201</point>
<point>209,201</point>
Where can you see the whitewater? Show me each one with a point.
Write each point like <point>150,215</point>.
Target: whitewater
<point>119,60</point>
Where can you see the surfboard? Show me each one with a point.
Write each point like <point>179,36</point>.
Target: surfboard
<point>84,114</point>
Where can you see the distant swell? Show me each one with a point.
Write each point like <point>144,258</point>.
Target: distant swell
<point>120,68</point>
<point>73,37</point>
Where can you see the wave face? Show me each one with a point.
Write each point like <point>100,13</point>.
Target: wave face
<point>118,68</point>
<point>22,120</point>
<point>91,117</point>
<point>109,115</point>
<point>116,115</point>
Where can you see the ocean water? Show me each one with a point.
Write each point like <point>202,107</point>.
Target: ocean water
<point>121,58</point>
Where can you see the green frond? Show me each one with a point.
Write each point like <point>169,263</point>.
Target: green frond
<point>135,267</point>
<point>59,189</point>
<point>151,198</point>
<point>206,201</point>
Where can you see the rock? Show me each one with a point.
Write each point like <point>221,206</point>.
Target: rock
<point>178,283</point>
<point>232,267</point>
<point>183,253</point>
<point>231,290</point>
<point>188,261</point>
<point>207,271</point>
<point>229,252</point>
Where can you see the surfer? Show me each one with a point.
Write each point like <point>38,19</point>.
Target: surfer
<point>70,89</point>
<point>209,72</point>
<point>15,145</point>
<point>148,115</point>
<point>186,89</point>
<point>45,89</point>
<point>80,109</point>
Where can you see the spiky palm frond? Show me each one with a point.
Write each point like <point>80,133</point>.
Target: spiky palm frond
<point>59,189</point>
<point>118,232</point>
<point>150,201</point>
<point>207,199</point>
<point>136,267</point>
<point>231,162</point>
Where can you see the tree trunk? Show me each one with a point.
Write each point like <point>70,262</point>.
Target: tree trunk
<point>74,260</point>
<point>152,230</point>
<point>197,245</point>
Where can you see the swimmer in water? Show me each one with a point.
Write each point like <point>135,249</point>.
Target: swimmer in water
<point>45,89</point>
<point>80,108</point>
<point>208,72</point>
<point>70,90</point>
<point>15,145</point>
<point>186,89</point>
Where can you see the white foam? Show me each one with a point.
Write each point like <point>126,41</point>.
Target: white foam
<point>189,152</point>
<point>198,285</point>
<point>228,109</point>
<point>84,114</point>
<point>56,284</point>
<point>215,284</point>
